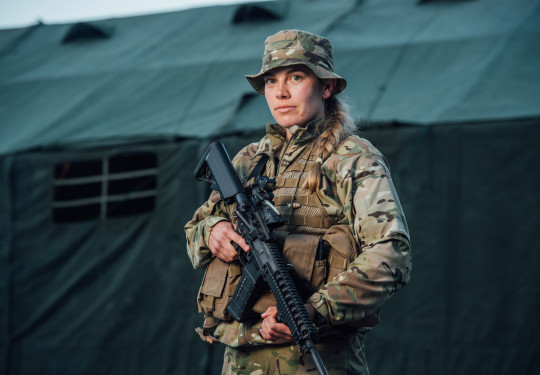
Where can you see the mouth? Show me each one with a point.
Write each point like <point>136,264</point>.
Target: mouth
<point>284,108</point>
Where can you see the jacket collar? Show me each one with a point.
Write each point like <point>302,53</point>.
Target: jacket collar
<point>275,135</point>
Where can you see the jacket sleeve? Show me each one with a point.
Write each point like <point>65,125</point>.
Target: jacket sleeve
<point>372,209</point>
<point>213,211</point>
<point>198,229</point>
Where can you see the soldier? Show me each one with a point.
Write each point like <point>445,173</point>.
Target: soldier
<point>345,229</point>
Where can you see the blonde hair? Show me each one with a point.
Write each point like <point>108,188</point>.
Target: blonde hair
<point>337,126</point>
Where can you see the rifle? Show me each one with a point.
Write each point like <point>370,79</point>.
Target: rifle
<point>263,265</point>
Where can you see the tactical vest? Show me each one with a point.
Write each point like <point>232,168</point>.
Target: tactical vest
<point>303,211</point>
<point>307,224</point>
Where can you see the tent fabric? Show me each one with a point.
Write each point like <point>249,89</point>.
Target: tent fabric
<point>174,75</point>
<point>442,62</point>
<point>84,296</point>
<point>118,295</point>
<point>467,191</point>
<point>106,296</point>
<point>447,90</point>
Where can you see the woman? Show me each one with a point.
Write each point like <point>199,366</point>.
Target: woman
<point>345,230</point>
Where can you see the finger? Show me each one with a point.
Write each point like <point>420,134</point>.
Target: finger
<point>238,239</point>
<point>220,241</point>
<point>225,234</point>
<point>272,310</point>
<point>279,331</point>
<point>218,236</point>
<point>227,253</point>
<point>227,247</point>
<point>275,328</point>
<point>223,250</point>
<point>263,331</point>
<point>227,257</point>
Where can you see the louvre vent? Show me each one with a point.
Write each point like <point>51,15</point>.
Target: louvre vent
<point>85,31</point>
<point>124,184</point>
<point>260,12</point>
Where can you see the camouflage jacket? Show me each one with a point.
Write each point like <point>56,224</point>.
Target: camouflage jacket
<point>356,190</point>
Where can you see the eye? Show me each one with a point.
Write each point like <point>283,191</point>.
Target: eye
<point>296,77</point>
<point>269,81</point>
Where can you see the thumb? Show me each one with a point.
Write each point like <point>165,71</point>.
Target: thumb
<point>272,310</point>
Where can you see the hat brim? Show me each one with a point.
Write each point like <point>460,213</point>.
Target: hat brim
<point>257,80</point>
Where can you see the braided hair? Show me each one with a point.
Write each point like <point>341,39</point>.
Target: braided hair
<point>337,126</point>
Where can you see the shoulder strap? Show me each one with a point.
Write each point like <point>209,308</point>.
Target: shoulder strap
<point>258,168</point>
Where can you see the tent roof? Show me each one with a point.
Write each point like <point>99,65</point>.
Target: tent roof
<point>180,74</point>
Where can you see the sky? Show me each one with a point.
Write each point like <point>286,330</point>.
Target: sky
<point>21,13</point>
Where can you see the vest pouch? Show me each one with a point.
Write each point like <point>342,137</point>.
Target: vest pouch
<point>320,272</point>
<point>217,288</point>
<point>342,251</point>
<point>299,250</point>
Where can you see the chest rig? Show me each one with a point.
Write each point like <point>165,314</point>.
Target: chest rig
<point>303,211</point>
<point>315,245</point>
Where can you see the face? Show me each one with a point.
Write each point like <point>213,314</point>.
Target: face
<point>295,95</point>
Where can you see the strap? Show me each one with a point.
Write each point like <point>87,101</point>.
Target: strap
<point>258,168</point>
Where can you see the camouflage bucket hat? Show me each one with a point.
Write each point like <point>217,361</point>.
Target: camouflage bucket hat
<point>293,47</point>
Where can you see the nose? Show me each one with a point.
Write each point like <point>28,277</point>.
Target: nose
<point>282,90</point>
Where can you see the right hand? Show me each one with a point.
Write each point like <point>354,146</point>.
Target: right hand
<point>223,233</point>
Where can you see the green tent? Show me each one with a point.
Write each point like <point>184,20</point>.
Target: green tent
<point>102,124</point>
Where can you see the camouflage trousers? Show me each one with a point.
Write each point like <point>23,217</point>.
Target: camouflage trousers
<point>342,355</point>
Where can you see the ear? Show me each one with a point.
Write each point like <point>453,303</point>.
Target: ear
<point>328,87</point>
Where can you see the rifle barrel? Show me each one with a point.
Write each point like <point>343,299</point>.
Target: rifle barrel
<point>318,361</point>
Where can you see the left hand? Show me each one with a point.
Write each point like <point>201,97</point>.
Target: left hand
<point>272,330</point>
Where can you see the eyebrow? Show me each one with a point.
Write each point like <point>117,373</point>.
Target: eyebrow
<point>288,71</point>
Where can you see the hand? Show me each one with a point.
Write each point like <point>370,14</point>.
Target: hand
<point>271,329</point>
<point>223,233</point>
